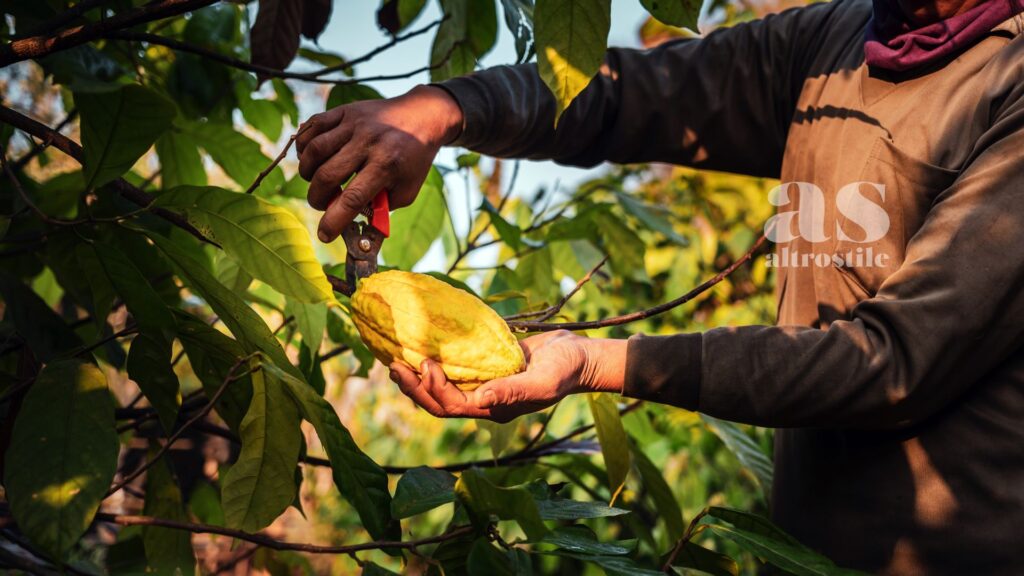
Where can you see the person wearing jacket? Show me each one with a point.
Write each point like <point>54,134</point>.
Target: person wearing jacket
<point>896,382</point>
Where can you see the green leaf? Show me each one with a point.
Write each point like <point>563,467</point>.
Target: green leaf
<point>625,249</point>
<point>204,502</point>
<point>212,355</point>
<point>613,565</point>
<point>467,160</point>
<point>613,439</point>
<point>327,59</point>
<point>707,561</point>
<point>395,15</point>
<point>371,569</point>
<point>180,162</point>
<point>418,224</point>
<point>500,434</point>
<point>311,320</point>
<point>342,330</point>
<point>752,523</point>
<point>168,551</point>
<point>664,499</point>
<point>359,479</point>
<point>146,306</point>
<point>268,241</point>
<point>468,32</point>
<point>230,274</point>
<point>260,485</point>
<point>486,558</point>
<point>422,489</point>
<point>62,456</point>
<point>519,21</point>
<point>46,334</point>
<point>565,509</point>
<point>149,365</point>
<point>347,93</point>
<point>682,13</point>
<point>536,272</point>
<point>508,233</point>
<point>795,559</point>
<point>263,115</point>
<point>484,499</point>
<point>744,448</point>
<point>571,37</point>
<point>581,539</point>
<point>117,129</point>
<point>245,324</point>
<point>651,217</point>
<point>236,153</point>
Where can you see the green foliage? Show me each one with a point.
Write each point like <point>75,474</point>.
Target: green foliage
<point>62,455</point>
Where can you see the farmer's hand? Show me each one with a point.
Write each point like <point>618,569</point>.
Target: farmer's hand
<point>557,364</point>
<point>389,143</point>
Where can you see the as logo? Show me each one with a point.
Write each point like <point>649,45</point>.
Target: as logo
<point>809,216</point>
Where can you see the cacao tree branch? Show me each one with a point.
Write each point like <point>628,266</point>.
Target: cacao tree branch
<point>550,311</point>
<point>691,531</point>
<point>46,44</point>
<point>274,544</point>
<point>231,377</point>
<point>518,326</point>
<point>62,19</point>
<point>44,144</point>
<point>74,150</point>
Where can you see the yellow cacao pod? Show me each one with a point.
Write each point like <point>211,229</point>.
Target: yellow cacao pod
<point>410,317</point>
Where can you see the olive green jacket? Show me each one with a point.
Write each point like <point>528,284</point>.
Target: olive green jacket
<point>898,387</point>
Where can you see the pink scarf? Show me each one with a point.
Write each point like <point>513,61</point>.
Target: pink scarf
<point>892,43</point>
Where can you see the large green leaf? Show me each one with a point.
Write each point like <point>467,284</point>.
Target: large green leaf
<point>236,153</point>
<point>422,489</point>
<point>149,365</point>
<point>168,551</point>
<point>419,224</point>
<point>613,439</point>
<point>700,558</point>
<point>142,300</point>
<point>519,21</point>
<point>45,333</point>
<point>509,233</point>
<point>311,320</point>
<point>118,127</point>
<point>62,456</point>
<point>675,12</point>
<point>180,162</point>
<point>212,355</point>
<point>261,484</point>
<point>359,479</point>
<point>571,38</point>
<point>486,558</point>
<point>613,565</point>
<point>484,499</point>
<point>746,450</point>
<point>468,32</point>
<point>581,539</point>
<point>661,493</point>
<point>268,241</point>
<point>793,558</point>
<point>244,323</point>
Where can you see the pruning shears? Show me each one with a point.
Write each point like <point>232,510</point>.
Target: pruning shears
<point>363,240</point>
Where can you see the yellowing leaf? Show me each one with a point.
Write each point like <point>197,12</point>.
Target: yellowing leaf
<point>613,439</point>
<point>268,241</point>
<point>571,37</point>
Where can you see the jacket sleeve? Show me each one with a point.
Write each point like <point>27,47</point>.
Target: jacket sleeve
<point>723,102</point>
<point>942,323</point>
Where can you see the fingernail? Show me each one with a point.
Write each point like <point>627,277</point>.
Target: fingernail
<point>489,399</point>
<point>323,236</point>
<point>394,376</point>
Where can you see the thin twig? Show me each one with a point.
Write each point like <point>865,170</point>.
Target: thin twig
<point>517,326</point>
<point>284,152</point>
<point>231,377</point>
<point>691,531</point>
<point>44,143</point>
<point>274,544</point>
<point>543,429</point>
<point>334,352</point>
<point>550,311</point>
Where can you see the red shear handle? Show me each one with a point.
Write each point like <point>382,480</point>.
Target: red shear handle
<point>381,214</point>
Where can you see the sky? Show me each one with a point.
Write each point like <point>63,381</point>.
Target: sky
<point>352,31</point>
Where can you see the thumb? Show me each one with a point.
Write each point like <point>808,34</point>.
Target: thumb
<point>507,391</point>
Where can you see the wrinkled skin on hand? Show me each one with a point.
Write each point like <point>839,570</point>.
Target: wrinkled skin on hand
<point>557,364</point>
<point>389,145</point>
